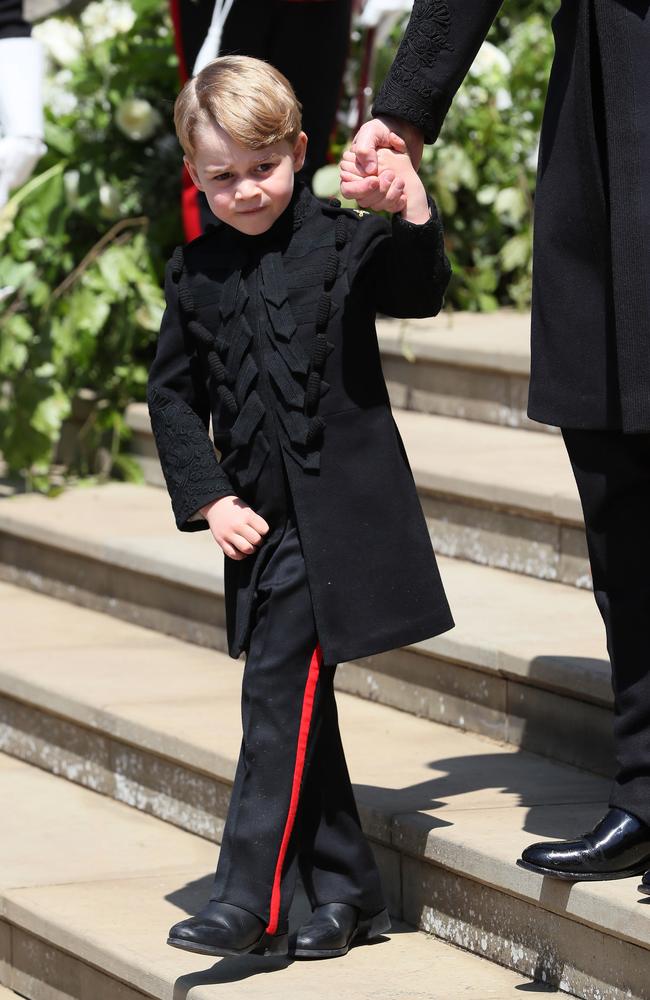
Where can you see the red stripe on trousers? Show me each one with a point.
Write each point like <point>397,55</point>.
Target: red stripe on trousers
<point>301,750</point>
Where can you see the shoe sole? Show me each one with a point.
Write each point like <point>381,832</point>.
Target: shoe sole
<point>370,927</point>
<point>276,944</point>
<point>645,889</point>
<point>584,876</point>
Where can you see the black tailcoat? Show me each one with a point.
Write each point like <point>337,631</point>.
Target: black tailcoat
<point>273,336</point>
<point>591,270</point>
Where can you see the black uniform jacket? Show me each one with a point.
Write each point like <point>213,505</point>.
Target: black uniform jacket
<point>591,272</point>
<point>274,337</point>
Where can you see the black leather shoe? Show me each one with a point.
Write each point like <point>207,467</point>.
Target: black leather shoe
<point>225,929</point>
<point>619,846</point>
<point>334,927</point>
<point>645,885</point>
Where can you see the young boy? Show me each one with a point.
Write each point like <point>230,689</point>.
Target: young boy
<point>270,330</point>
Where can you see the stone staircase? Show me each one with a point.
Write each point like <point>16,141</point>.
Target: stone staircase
<point>463,749</point>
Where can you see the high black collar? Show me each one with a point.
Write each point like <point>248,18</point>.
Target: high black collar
<point>301,204</point>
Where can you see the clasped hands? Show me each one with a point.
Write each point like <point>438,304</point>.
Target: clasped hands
<point>379,171</point>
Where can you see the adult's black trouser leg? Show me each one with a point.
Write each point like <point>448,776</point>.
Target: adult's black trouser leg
<point>287,720</point>
<point>612,470</point>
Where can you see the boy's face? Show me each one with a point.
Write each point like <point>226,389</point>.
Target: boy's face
<point>246,188</point>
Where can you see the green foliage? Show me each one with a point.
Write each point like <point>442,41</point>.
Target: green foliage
<point>83,243</point>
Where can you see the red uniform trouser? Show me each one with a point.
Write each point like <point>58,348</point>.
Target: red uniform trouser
<point>292,805</point>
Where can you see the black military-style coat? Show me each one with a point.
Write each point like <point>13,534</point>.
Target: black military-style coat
<point>273,336</point>
<point>591,262</point>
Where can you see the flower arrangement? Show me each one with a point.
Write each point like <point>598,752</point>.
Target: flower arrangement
<point>83,243</point>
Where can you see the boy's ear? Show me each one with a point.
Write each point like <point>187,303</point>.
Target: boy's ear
<point>192,172</point>
<point>299,152</point>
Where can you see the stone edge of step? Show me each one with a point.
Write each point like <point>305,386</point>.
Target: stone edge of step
<point>545,504</point>
<point>406,832</point>
<point>454,340</point>
<point>591,683</point>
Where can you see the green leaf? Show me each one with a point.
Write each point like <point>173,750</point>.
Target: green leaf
<point>50,414</point>
<point>516,252</point>
<point>510,205</point>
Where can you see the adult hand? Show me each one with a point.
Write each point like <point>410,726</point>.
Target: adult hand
<point>391,133</point>
<point>235,526</point>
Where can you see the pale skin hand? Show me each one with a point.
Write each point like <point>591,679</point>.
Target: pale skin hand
<point>235,526</point>
<point>366,188</point>
<point>402,190</point>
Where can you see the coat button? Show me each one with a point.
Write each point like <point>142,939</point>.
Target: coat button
<point>335,203</point>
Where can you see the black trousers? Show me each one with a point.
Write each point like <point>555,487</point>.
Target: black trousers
<point>612,470</point>
<point>292,805</point>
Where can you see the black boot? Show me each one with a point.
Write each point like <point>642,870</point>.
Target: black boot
<point>225,929</point>
<point>645,885</point>
<point>619,846</point>
<point>334,927</point>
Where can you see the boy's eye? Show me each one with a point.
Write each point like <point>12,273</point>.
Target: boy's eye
<point>264,167</point>
<point>220,177</point>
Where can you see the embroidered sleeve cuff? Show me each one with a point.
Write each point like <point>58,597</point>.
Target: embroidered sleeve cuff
<point>189,462</point>
<point>416,111</point>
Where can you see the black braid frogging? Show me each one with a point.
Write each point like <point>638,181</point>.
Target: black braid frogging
<point>321,346</point>
<point>234,389</point>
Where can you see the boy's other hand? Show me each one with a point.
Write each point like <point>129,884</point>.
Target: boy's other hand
<point>235,526</point>
<point>399,189</point>
<point>379,133</point>
<point>387,191</point>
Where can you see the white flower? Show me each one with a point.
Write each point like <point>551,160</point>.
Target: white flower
<point>137,119</point>
<point>61,39</point>
<point>502,99</point>
<point>105,19</point>
<point>490,59</point>
<point>56,95</point>
<point>109,199</point>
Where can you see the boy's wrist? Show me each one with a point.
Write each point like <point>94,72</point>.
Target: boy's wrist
<point>211,503</point>
<point>417,208</point>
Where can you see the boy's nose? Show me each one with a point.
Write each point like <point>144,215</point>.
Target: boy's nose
<point>246,190</point>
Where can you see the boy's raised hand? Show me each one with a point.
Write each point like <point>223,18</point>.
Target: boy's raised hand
<point>235,526</point>
<point>398,186</point>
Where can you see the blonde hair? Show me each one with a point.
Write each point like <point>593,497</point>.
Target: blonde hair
<point>250,99</point>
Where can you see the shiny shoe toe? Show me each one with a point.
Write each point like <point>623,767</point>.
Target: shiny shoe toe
<point>224,929</point>
<point>645,884</point>
<point>334,927</point>
<point>617,847</point>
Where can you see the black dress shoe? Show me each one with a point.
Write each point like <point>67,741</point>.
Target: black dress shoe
<point>334,927</point>
<point>225,929</point>
<point>619,846</point>
<point>645,885</point>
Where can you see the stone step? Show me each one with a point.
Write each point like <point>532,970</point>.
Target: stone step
<point>469,365</point>
<point>84,914</point>
<point>155,723</point>
<point>491,495</point>
<point>525,664</point>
